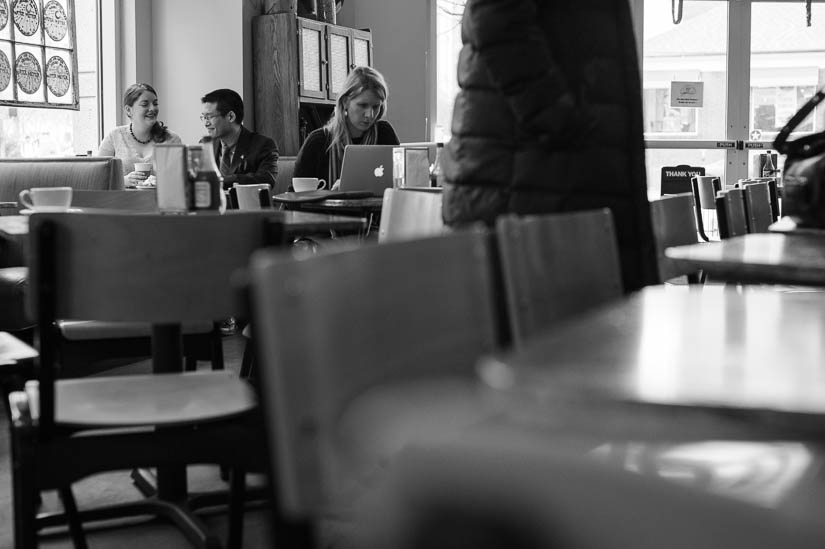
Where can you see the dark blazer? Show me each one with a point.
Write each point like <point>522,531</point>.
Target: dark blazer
<point>255,160</point>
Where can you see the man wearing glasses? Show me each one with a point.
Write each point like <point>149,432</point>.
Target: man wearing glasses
<point>243,156</point>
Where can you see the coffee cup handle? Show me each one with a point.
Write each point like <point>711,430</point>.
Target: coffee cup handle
<point>25,199</point>
<point>322,184</point>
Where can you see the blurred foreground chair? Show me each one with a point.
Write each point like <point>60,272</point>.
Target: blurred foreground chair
<point>175,269</point>
<point>556,265</point>
<point>408,213</point>
<point>705,188</point>
<point>363,352</point>
<point>505,492</point>
<point>92,345</point>
<point>674,224</point>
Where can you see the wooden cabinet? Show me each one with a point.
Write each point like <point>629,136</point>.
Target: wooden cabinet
<point>300,62</point>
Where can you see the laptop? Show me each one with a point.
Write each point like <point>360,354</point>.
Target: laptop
<point>367,168</point>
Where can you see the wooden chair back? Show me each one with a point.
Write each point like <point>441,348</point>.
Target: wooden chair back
<point>131,200</point>
<point>409,214</point>
<point>161,269</point>
<point>758,209</point>
<point>331,326</point>
<point>730,210</point>
<point>705,188</point>
<point>674,224</point>
<point>556,265</point>
<point>251,197</point>
<point>286,167</point>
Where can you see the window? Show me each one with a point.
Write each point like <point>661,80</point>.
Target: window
<point>37,131</point>
<point>758,62</point>
<point>448,45</point>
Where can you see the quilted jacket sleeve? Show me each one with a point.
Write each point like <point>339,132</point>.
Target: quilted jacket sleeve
<point>506,37</point>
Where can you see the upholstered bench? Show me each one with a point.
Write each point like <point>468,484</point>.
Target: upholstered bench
<point>16,174</point>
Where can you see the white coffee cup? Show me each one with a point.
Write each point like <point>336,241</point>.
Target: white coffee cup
<point>46,199</point>
<point>302,184</point>
<point>144,167</point>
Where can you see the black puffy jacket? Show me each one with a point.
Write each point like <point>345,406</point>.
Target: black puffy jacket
<point>549,119</point>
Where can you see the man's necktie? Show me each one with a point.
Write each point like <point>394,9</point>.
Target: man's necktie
<point>226,160</point>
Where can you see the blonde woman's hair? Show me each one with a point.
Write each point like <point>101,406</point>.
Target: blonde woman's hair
<point>360,79</point>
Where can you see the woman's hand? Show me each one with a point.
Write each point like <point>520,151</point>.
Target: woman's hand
<point>336,185</point>
<point>134,178</point>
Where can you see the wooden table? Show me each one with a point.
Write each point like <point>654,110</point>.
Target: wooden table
<point>14,229</point>
<point>369,208</point>
<point>677,364</point>
<point>759,258</point>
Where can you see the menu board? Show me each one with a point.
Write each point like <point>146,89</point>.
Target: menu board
<point>38,60</point>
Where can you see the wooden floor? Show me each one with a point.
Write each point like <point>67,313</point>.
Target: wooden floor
<point>112,487</point>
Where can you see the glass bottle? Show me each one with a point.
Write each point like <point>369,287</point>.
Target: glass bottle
<point>436,170</point>
<point>768,170</point>
<point>206,180</point>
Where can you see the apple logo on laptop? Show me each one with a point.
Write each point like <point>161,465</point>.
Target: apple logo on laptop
<point>379,171</point>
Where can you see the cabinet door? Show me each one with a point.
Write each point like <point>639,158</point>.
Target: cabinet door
<point>312,56</point>
<point>339,56</point>
<point>361,48</point>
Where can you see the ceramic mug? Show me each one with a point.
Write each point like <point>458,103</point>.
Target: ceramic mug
<point>46,199</point>
<point>303,184</point>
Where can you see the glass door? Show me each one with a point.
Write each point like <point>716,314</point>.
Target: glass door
<point>719,85</point>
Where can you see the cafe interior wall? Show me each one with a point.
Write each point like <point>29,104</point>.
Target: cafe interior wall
<point>200,45</point>
<point>401,38</point>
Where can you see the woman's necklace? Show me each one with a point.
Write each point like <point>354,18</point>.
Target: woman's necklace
<point>138,140</point>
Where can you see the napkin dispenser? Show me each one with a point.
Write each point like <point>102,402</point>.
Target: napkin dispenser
<point>171,177</point>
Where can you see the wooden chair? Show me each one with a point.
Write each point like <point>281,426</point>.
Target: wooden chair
<point>251,197</point>
<point>758,209</point>
<point>175,269</point>
<point>556,265</point>
<point>84,342</point>
<point>363,352</point>
<point>410,214</point>
<point>674,224</point>
<point>730,211</point>
<point>705,189</point>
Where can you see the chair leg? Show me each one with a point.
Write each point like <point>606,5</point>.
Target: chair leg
<point>216,349</point>
<point>247,360</point>
<point>25,496</point>
<point>237,497</point>
<point>75,525</point>
<point>190,364</point>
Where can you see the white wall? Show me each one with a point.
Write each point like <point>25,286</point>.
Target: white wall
<point>197,47</point>
<point>400,32</point>
<point>201,45</point>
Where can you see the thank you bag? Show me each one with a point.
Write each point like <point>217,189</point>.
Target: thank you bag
<point>803,194</point>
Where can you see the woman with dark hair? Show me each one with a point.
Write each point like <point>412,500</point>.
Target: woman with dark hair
<point>356,120</point>
<point>135,142</point>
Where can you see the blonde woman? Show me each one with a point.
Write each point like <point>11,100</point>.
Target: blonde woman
<point>356,120</point>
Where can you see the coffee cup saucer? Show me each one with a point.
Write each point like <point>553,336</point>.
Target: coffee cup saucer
<point>27,211</point>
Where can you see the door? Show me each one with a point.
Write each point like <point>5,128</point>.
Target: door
<point>719,85</point>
